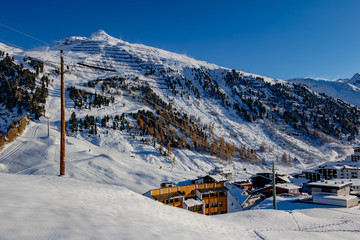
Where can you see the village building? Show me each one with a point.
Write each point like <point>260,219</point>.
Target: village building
<point>356,156</point>
<point>241,199</point>
<point>226,172</point>
<point>332,192</point>
<point>348,172</point>
<point>281,188</point>
<point>210,179</point>
<point>312,175</point>
<point>346,169</point>
<point>328,172</point>
<point>355,185</point>
<point>243,184</point>
<point>302,182</point>
<point>209,195</point>
<point>260,180</point>
<point>204,198</point>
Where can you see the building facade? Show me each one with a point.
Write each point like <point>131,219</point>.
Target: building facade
<point>333,193</point>
<point>205,198</point>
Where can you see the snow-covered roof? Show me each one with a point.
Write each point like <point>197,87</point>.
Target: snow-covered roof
<point>330,183</point>
<point>333,197</point>
<point>284,178</point>
<point>287,186</point>
<point>299,181</point>
<point>191,202</point>
<point>354,181</point>
<point>350,167</point>
<point>355,193</point>
<point>221,170</point>
<point>238,193</point>
<point>333,167</point>
<point>311,171</point>
<point>218,178</point>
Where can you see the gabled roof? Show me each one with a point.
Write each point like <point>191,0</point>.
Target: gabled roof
<point>299,181</point>
<point>284,178</point>
<point>238,193</point>
<point>215,177</point>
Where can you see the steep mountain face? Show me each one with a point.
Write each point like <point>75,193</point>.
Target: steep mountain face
<point>355,80</point>
<point>344,89</point>
<point>123,94</point>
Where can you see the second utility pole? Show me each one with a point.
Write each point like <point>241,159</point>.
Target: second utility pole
<point>274,185</point>
<point>62,141</point>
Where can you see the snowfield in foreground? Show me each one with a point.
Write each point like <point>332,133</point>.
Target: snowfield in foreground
<point>51,207</point>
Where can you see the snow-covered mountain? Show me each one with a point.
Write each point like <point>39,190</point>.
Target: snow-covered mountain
<point>345,89</point>
<point>138,116</point>
<point>136,99</point>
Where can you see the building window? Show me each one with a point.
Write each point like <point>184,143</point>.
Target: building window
<point>177,199</point>
<point>222,212</point>
<point>220,204</point>
<point>205,195</point>
<point>198,208</point>
<point>206,205</point>
<point>326,189</point>
<point>192,192</point>
<point>214,213</point>
<point>214,204</point>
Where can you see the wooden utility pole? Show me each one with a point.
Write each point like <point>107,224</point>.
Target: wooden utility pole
<point>62,143</point>
<point>274,185</point>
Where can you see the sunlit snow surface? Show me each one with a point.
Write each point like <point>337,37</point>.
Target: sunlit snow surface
<point>51,207</point>
<point>99,198</point>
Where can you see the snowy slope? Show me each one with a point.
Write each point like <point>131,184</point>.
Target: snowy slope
<point>347,90</point>
<point>50,207</point>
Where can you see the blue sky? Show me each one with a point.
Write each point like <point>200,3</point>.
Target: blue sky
<point>283,39</point>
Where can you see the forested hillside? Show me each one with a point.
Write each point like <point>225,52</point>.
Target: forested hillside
<point>23,95</point>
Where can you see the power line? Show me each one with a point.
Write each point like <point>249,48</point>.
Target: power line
<point>25,34</point>
<point>9,43</point>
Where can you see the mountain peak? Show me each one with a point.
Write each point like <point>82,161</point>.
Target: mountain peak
<point>101,35</point>
<point>355,79</point>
